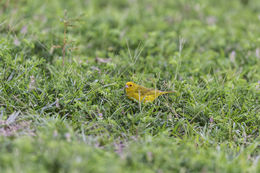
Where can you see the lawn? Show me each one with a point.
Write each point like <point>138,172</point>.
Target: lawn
<point>64,65</point>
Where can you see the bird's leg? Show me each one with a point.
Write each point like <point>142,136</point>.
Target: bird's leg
<point>140,105</point>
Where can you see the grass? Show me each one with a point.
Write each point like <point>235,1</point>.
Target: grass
<point>63,66</point>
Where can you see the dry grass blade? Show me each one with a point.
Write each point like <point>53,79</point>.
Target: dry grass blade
<point>12,117</point>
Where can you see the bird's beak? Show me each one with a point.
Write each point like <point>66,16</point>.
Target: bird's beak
<point>126,86</point>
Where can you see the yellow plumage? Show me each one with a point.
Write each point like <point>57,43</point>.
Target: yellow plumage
<point>142,94</point>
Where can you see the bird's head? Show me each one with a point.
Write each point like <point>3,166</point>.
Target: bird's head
<point>130,86</point>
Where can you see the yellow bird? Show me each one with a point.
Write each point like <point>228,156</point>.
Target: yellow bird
<point>142,94</point>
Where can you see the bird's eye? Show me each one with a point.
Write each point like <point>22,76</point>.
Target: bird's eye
<point>130,85</point>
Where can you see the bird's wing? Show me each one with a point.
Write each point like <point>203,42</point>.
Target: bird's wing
<point>147,91</point>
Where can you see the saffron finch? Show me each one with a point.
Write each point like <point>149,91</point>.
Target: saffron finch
<point>142,94</point>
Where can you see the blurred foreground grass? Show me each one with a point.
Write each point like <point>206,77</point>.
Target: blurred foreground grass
<point>75,117</point>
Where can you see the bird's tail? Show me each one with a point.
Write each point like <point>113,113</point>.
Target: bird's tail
<point>167,92</point>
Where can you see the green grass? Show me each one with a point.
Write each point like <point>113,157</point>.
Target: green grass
<point>76,118</point>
